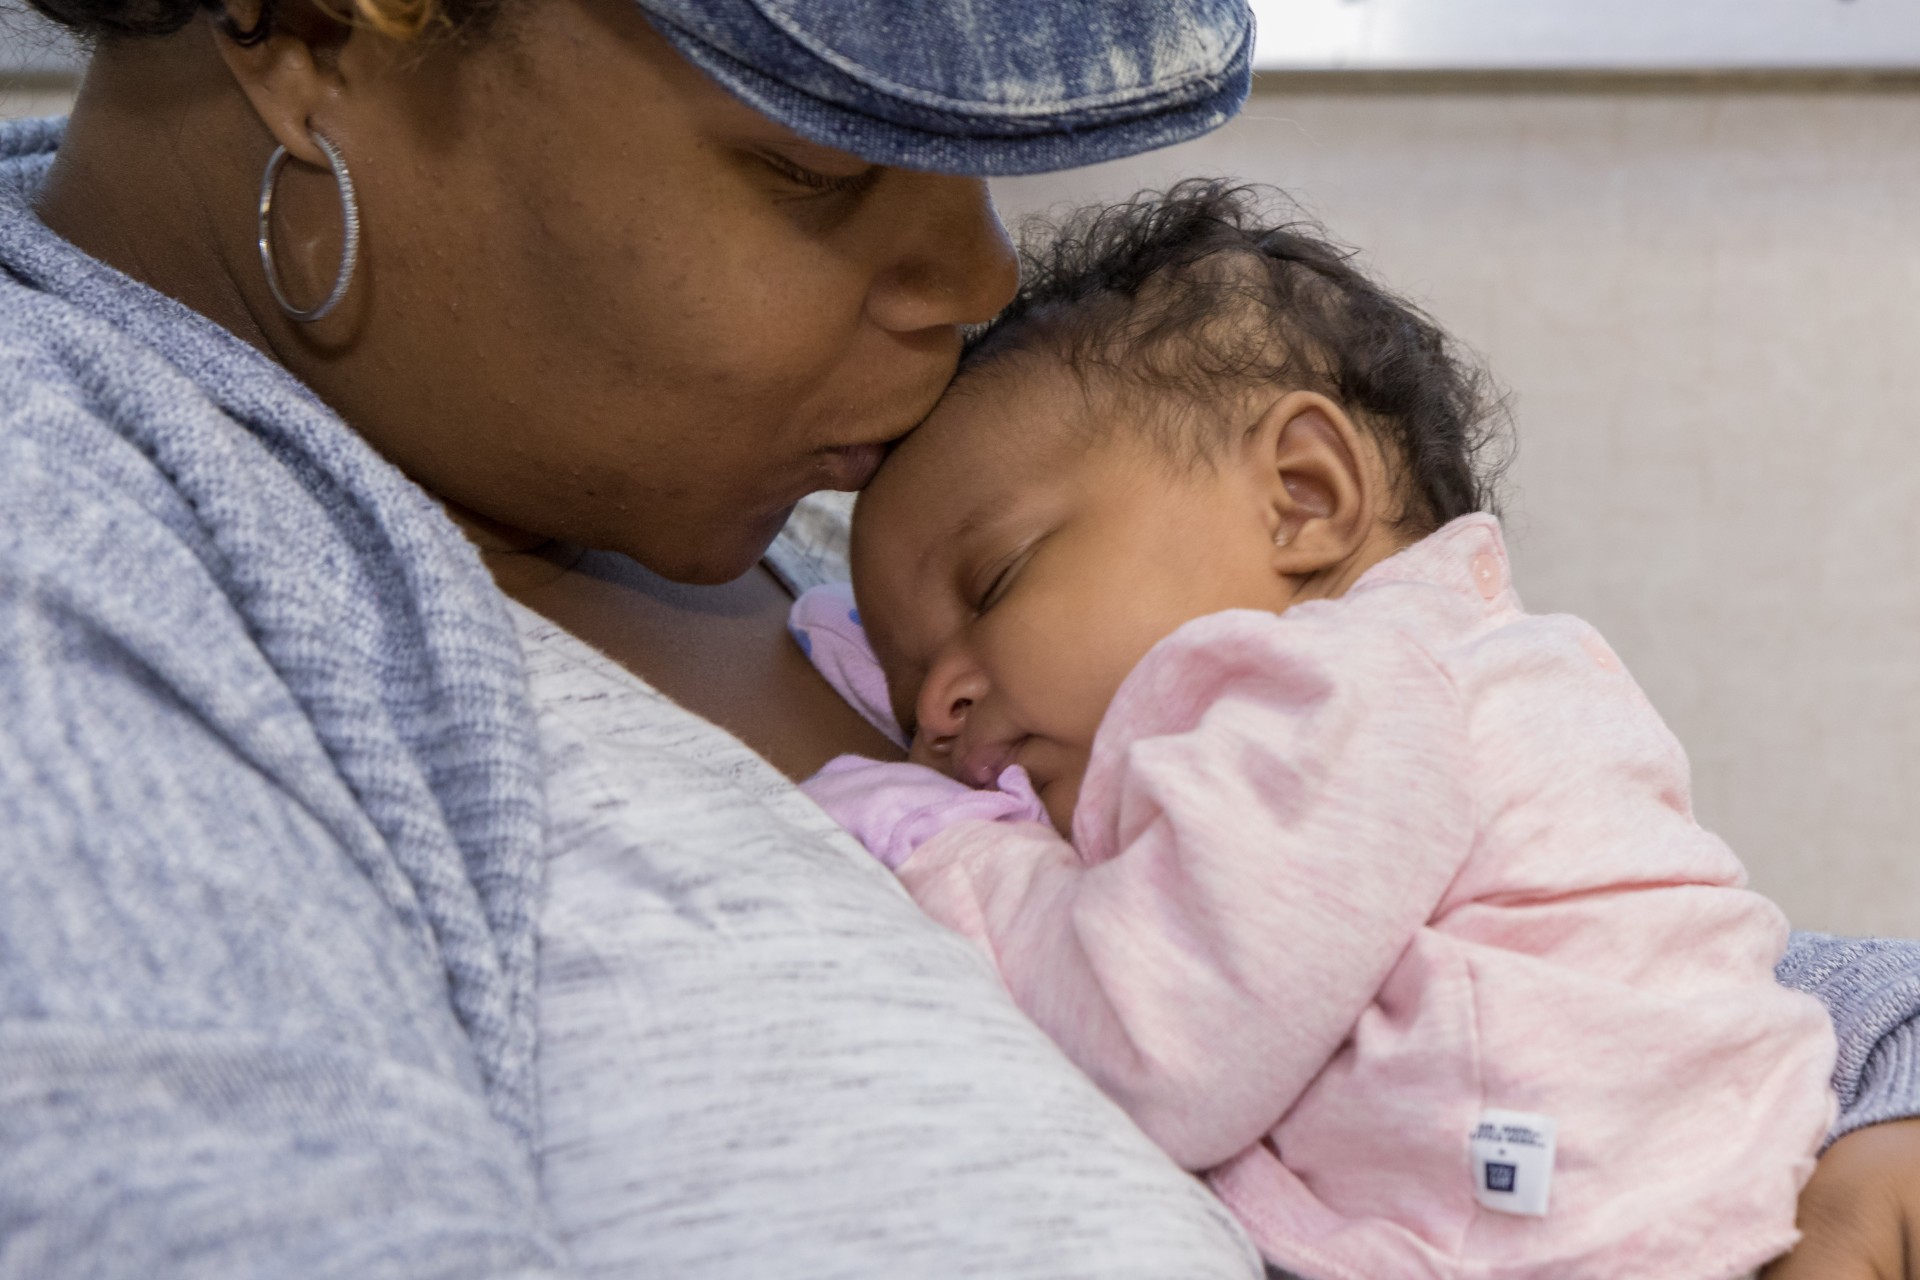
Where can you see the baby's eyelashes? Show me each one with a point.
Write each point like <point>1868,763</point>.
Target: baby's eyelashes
<point>1000,574</point>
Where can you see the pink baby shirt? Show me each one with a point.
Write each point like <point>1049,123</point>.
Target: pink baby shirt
<point>1391,913</point>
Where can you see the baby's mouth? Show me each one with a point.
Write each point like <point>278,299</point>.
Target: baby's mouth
<point>980,764</point>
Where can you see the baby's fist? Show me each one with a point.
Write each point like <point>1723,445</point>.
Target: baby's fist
<point>893,807</point>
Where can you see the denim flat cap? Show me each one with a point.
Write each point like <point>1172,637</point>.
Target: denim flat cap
<point>975,86</point>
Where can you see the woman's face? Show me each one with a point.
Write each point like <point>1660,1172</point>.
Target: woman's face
<point>604,301</point>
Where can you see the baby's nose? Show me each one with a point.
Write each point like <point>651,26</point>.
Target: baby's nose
<point>947,695</point>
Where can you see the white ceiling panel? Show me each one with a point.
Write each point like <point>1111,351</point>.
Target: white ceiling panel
<point>1587,35</point>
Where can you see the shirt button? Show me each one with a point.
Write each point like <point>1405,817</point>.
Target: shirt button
<point>1486,575</point>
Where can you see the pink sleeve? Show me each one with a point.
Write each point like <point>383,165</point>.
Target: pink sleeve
<point>1273,809</point>
<point>893,807</point>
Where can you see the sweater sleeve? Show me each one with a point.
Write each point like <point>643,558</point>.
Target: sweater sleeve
<point>1871,986</point>
<point>1271,813</point>
<point>223,1053</point>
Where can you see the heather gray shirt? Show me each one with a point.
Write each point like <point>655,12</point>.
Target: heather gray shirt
<point>757,1056</point>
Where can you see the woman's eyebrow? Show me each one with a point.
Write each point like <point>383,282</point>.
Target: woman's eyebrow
<point>806,149</point>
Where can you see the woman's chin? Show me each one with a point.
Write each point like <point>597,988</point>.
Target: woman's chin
<point>712,557</point>
<point>704,571</point>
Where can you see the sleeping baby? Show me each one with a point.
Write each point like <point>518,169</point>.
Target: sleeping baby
<point>1362,890</point>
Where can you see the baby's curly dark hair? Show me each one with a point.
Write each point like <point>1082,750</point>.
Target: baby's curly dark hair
<point>1197,292</point>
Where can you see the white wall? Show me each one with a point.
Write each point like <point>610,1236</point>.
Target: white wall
<point>1707,305</point>
<point>29,99</point>
<point>1482,35</point>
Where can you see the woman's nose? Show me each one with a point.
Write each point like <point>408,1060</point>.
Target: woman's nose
<point>948,694</point>
<point>955,264</point>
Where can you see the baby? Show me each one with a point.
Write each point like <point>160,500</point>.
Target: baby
<point>1361,889</point>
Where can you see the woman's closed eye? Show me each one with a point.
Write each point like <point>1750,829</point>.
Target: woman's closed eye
<point>816,181</point>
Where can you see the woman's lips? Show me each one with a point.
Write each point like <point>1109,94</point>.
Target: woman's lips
<point>850,466</point>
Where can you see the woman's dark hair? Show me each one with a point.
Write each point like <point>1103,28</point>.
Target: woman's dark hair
<point>95,20</point>
<point>1192,294</point>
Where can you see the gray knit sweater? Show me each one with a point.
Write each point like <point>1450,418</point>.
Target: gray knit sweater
<point>271,823</point>
<point>270,816</point>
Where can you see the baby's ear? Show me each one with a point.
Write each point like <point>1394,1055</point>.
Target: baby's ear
<point>1321,493</point>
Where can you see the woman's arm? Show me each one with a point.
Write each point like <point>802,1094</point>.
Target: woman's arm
<point>1872,988</point>
<point>1860,1213</point>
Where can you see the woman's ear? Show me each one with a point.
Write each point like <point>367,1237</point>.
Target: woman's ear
<point>290,74</point>
<point>1318,492</point>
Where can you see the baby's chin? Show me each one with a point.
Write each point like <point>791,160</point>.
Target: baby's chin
<point>1060,795</point>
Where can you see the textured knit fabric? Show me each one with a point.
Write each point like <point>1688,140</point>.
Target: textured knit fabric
<point>1345,879</point>
<point>758,1058</point>
<point>271,809</point>
<point>1871,987</point>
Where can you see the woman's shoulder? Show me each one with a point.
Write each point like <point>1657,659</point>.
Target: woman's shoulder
<point>238,640</point>
<point>68,387</point>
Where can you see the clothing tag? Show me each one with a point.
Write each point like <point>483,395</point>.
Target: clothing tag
<point>1513,1162</point>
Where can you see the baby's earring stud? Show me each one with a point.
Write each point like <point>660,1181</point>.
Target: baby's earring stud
<point>1282,537</point>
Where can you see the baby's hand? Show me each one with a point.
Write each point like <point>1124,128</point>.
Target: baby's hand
<point>893,807</point>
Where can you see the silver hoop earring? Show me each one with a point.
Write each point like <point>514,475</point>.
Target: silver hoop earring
<point>350,245</point>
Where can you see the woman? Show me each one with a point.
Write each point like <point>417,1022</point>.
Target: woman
<point>284,766</point>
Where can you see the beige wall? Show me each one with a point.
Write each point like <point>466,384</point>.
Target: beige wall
<point>1707,305</point>
<point>1708,308</point>
<point>31,99</point>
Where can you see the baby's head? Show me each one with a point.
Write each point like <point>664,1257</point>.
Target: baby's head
<point>1185,410</point>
